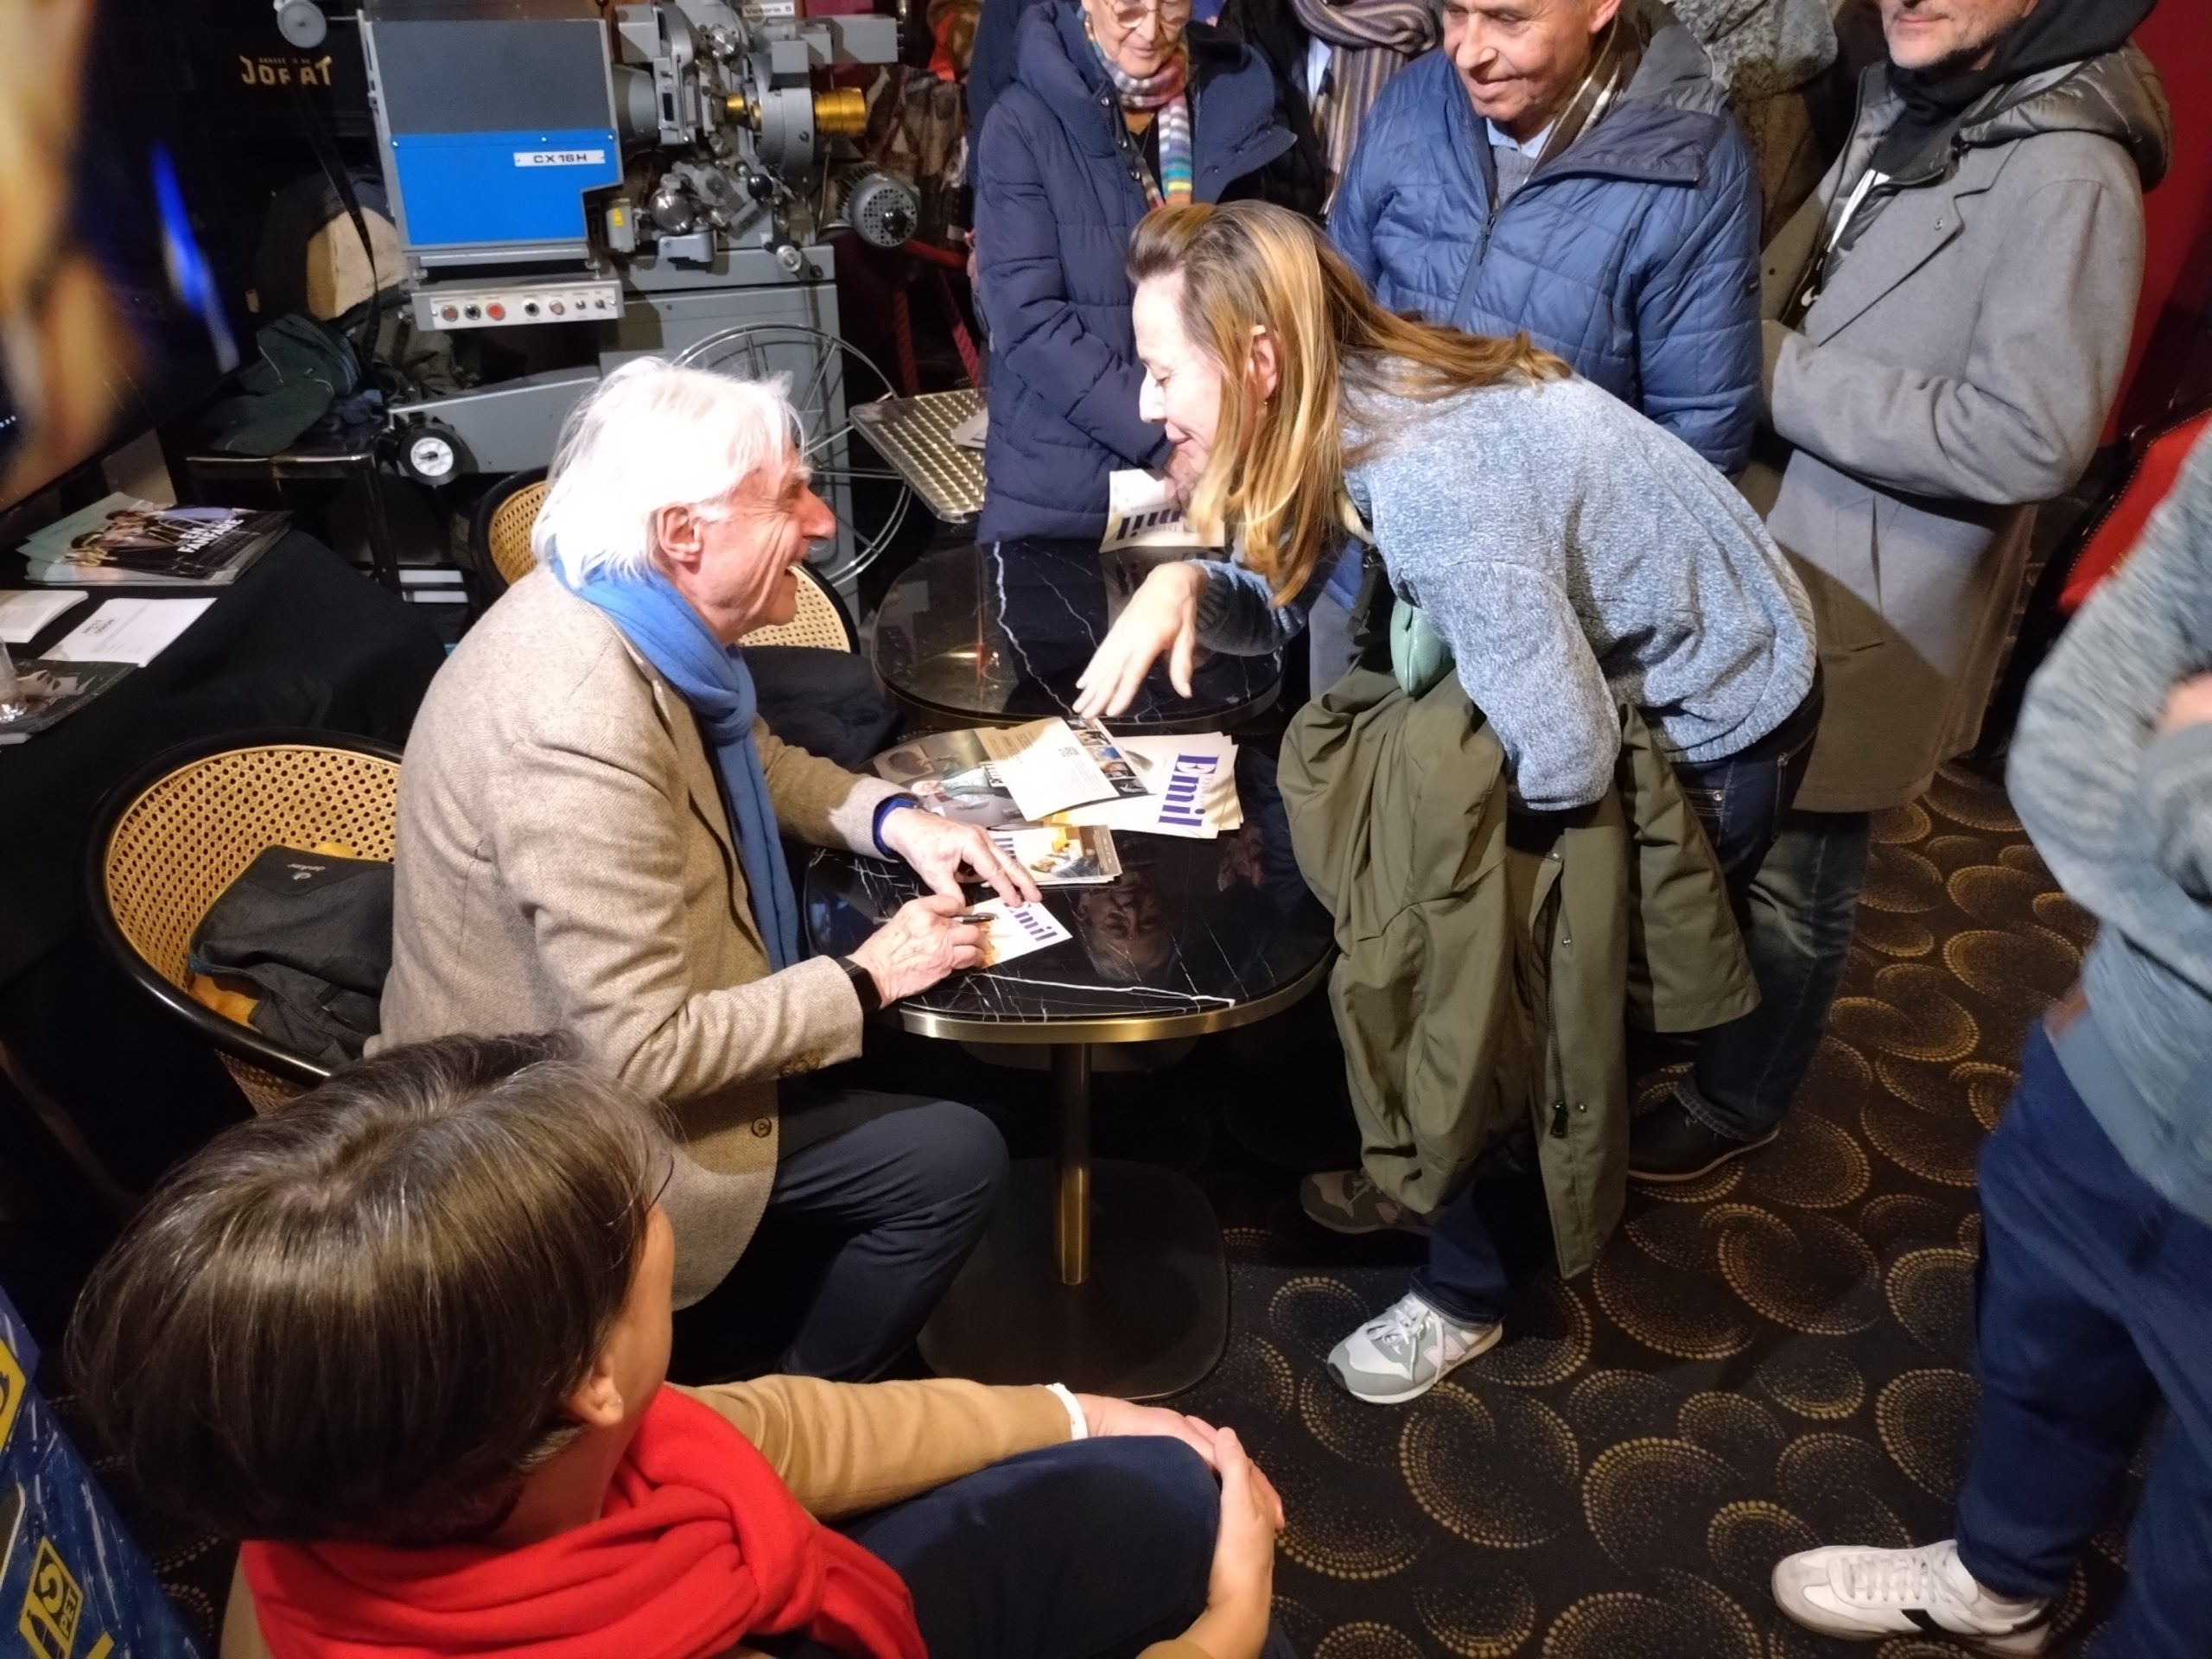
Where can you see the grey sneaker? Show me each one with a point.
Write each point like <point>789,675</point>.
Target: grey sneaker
<point>1867,1595</point>
<point>1345,1201</point>
<point>1405,1351</point>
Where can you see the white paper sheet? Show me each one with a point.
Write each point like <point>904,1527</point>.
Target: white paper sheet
<point>130,631</point>
<point>22,612</point>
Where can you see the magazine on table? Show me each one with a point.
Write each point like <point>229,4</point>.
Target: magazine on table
<point>121,538</point>
<point>1061,855</point>
<point>1141,511</point>
<point>1191,789</point>
<point>55,690</point>
<point>997,776</point>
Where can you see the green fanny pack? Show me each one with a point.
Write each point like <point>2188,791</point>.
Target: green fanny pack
<point>1419,656</point>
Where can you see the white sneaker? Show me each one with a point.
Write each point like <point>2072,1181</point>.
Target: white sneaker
<point>1404,1351</point>
<point>1864,1594</point>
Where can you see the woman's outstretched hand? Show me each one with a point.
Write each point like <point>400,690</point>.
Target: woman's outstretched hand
<point>1161,620</point>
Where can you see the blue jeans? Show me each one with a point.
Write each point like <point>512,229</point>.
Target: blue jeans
<point>1092,1550</point>
<point>2095,1305</point>
<point>1797,911</point>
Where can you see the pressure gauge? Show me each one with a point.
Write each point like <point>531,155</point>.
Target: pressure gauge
<point>433,455</point>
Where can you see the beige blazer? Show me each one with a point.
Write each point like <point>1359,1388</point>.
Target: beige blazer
<point>565,861</point>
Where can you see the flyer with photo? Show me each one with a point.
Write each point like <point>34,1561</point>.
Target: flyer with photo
<point>1011,931</point>
<point>1061,855</point>
<point>1193,784</point>
<point>995,776</point>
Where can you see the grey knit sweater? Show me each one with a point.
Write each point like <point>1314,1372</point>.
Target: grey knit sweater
<point>1573,556</point>
<point>2123,816</point>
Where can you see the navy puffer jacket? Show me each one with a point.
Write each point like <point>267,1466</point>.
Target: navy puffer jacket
<point>1634,255</point>
<point>1058,194</point>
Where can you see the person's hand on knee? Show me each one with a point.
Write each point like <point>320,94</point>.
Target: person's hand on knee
<point>1241,1589</point>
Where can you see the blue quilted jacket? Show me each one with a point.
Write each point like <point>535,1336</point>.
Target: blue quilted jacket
<point>1634,255</point>
<point>1057,196</point>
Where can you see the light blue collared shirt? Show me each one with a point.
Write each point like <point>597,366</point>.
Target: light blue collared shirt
<point>1501,139</point>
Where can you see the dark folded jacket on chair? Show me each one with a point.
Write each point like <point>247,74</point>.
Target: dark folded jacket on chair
<point>307,936</point>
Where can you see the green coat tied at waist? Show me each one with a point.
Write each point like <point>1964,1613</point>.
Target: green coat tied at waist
<point>1489,958</point>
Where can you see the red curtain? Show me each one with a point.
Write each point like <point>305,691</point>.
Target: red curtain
<point>2177,277</point>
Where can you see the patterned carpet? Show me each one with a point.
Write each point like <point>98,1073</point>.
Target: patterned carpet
<point>1771,1358</point>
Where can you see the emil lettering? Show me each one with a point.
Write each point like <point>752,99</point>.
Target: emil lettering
<point>1179,803</point>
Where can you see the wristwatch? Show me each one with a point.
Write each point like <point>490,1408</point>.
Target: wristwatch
<point>864,986</point>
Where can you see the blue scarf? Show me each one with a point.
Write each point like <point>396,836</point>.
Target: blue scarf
<point>713,680</point>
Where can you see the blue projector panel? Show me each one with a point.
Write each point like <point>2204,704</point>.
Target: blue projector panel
<point>464,188</point>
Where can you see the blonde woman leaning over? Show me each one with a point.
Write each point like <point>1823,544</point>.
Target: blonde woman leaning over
<point>1571,555</point>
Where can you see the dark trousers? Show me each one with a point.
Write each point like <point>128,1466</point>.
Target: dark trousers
<point>1743,802</point>
<point>2095,1305</point>
<point>1794,880</point>
<point>1091,1550</point>
<point>877,1200</point>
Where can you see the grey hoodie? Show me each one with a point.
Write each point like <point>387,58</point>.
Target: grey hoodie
<point>2123,815</point>
<point>1573,556</point>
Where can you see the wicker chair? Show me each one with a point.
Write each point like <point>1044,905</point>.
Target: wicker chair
<point>168,841</point>
<point>500,534</point>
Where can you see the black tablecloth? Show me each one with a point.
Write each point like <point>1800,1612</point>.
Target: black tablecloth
<point>302,640</point>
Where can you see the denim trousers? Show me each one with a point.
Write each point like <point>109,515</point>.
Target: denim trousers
<point>1797,911</point>
<point>2095,1307</point>
<point>1091,1550</point>
<point>877,1201</point>
<point>1794,880</point>
<point>1744,802</point>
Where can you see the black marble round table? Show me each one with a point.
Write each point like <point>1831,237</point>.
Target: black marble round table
<point>996,633</point>
<point>1194,937</point>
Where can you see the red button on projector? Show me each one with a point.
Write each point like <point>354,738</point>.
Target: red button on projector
<point>495,311</point>
<point>451,313</point>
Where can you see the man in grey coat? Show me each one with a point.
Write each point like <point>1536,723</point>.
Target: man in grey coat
<point>1947,321</point>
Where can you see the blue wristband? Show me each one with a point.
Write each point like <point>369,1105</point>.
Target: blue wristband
<point>884,809</point>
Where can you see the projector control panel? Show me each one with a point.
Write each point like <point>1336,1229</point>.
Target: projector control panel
<point>512,307</point>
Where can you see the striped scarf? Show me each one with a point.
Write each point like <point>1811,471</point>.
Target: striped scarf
<point>1369,42</point>
<point>1162,93</point>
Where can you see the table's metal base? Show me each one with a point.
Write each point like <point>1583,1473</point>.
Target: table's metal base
<point>1150,1319</point>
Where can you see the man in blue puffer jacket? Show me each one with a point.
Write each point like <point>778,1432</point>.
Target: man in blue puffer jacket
<point>1060,183</point>
<point>1574,174</point>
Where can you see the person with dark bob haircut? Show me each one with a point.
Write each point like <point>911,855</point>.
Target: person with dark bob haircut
<point>409,1338</point>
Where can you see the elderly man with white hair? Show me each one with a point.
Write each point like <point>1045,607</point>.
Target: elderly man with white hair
<point>591,817</point>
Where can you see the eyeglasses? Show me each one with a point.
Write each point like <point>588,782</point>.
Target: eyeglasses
<point>1171,14</point>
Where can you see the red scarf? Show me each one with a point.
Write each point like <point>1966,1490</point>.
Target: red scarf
<point>700,1546</point>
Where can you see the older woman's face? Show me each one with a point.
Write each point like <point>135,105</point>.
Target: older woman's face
<point>1138,35</point>
<point>736,563</point>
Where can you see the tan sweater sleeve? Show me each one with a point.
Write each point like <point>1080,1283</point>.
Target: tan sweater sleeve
<point>846,1447</point>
